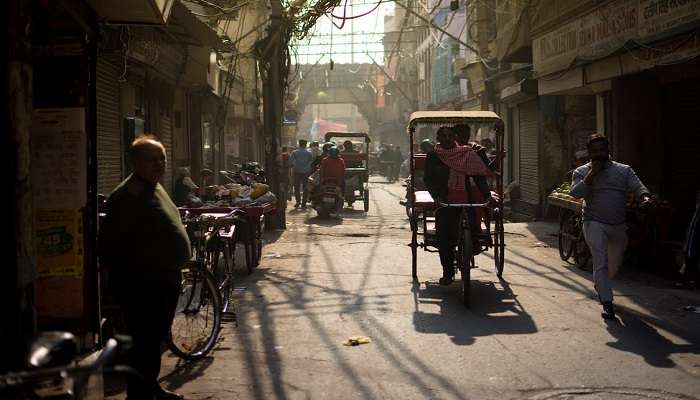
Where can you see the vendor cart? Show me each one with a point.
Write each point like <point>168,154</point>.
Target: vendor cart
<point>247,233</point>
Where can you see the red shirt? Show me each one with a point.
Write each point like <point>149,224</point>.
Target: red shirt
<point>332,168</point>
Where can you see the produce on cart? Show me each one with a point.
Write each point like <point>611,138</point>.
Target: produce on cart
<point>243,192</point>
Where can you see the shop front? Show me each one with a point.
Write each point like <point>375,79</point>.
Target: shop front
<point>631,70</point>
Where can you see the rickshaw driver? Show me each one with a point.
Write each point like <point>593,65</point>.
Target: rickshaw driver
<point>446,170</point>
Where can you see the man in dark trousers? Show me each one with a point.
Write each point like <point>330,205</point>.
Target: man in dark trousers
<point>300,162</point>
<point>448,185</point>
<point>142,246</point>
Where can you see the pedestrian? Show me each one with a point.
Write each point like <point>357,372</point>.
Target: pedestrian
<point>603,184</point>
<point>142,246</point>
<point>300,161</point>
<point>315,149</point>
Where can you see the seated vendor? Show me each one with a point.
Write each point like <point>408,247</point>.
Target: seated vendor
<point>447,170</point>
<point>184,187</point>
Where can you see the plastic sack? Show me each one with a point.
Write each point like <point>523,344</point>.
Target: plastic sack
<point>259,189</point>
<point>268,197</point>
<point>245,191</point>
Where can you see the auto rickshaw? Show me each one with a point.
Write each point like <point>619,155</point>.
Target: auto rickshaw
<point>356,164</point>
<point>484,124</point>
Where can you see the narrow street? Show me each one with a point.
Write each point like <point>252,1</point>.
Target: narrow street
<point>537,335</point>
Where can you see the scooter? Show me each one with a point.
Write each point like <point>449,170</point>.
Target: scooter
<point>328,199</point>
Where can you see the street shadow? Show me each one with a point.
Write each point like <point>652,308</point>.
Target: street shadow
<point>271,236</point>
<point>634,335</point>
<point>352,213</point>
<point>330,221</point>
<point>184,372</point>
<point>494,310</point>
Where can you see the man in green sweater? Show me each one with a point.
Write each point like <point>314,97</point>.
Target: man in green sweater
<point>142,246</point>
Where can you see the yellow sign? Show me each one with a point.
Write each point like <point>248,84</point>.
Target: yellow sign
<point>59,234</point>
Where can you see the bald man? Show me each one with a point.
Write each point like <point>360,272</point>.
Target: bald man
<point>142,246</point>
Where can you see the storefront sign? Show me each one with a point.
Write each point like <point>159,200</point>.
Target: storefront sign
<point>608,29</point>
<point>669,51</point>
<point>659,16</point>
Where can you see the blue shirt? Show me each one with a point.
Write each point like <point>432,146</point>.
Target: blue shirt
<point>604,200</point>
<point>300,161</point>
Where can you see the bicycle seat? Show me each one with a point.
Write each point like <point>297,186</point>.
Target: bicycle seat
<point>53,349</point>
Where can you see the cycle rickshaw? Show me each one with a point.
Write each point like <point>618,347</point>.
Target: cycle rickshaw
<point>356,165</point>
<point>484,125</point>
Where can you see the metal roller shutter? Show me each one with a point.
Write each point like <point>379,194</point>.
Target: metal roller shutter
<point>109,146</point>
<point>682,174</point>
<point>166,136</point>
<point>529,153</point>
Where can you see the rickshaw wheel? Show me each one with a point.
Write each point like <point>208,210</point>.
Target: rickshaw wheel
<point>464,259</point>
<point>499,244</point>
<point>365,196</point>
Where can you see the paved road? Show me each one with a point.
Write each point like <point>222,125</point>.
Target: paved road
<point>537,336</point>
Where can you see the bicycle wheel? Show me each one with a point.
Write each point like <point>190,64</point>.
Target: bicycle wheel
<point>464,259</point>
<point>566,236</point>
<point>499,244</point>
<point>222,269</point>
<point>197,321</point>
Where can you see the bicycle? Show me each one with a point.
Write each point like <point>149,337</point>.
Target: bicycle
<point>465,246</point>
<point>54,374</point>
<point>571,239</point>
<point>197,321</point>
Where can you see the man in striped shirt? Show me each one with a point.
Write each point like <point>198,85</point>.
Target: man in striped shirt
<point>603,184</point>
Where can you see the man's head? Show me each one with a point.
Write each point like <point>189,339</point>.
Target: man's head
<point>462,133</point>
<point>598,147</point>
<point>426,146</point>
<point>347,146</point>
<point>207,175</point>
<point>314,144</point>
<point>334,152</point>
<point>302,144</point>
<point>148,157</point>
<point>327,146</point>
<point>446,137</point>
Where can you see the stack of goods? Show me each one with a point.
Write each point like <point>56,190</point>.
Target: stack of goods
<point>238,195</point>
<point>561,197</point>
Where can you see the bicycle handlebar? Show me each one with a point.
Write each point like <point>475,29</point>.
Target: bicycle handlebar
<point>465,205</point>
<point>24,378</point>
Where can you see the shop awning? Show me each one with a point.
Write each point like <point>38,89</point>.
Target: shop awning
<point>150,12</point>
<point>188,27</point>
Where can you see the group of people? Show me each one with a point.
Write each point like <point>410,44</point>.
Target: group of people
<point>456,171</point>
<point>326,160</point>
<point>391,158</point>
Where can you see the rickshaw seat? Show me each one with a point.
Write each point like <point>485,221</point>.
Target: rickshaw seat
<point>423,199</point>
<point>354,156</point>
